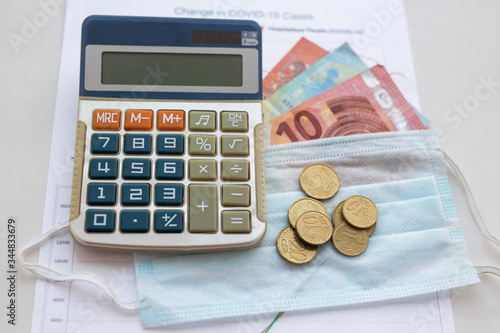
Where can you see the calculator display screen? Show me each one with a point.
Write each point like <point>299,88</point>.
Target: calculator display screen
<point>172,69</point>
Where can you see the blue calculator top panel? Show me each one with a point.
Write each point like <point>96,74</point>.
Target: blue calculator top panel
<point>151,36</point>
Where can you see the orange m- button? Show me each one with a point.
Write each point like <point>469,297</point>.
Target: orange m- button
<point>138,120</point>
<point>103,119</point>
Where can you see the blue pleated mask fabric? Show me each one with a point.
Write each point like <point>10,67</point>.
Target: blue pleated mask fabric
<point>418,246</point>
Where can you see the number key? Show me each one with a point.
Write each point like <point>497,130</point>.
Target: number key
<point>136,168</point>
<point>101,194</point>
<point>167,169</point>
<point>170,144</point>
<point>103,168</point>
<point>135,194</point>
<point>137,144</point>
<point>105,144</point>
<point>169,194</point>
<point>98,220</point>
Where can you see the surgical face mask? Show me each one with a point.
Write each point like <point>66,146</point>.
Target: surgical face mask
<point>418,246</point>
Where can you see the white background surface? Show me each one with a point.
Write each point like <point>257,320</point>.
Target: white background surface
<point>455,45</point>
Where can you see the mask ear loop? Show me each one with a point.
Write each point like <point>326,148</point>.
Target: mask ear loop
<point>476,216</point>
<point>57,276</point>
<point>480,270</point>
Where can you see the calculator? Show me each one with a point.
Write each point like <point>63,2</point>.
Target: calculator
<point>169,149</point>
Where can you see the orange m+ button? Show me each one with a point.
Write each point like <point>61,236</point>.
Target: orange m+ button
<point>103,119</point>
<point>138,120</point>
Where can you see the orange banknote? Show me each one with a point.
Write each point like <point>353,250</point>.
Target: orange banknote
<point>367,103</point>
<point>298,59</point>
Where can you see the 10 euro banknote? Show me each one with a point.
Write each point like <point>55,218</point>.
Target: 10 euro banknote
<point>367,103</point>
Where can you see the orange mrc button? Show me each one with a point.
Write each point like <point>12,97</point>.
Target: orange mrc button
<point>138,120</point>
<point>172,120</point>
<point>103,119</point>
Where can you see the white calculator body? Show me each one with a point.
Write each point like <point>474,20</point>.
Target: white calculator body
<point>169,149</point>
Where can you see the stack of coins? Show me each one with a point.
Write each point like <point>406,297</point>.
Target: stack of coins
<point>354,219</point>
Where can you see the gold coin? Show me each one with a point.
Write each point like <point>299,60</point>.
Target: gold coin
<point>303,205</point>
<point>319,181</point>
<point>314,228</point>
<point>360,212</point>
<point>338,218</point>
<point>292,249</point>
<point>349,241</point>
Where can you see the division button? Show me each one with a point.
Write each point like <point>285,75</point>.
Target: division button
<point>235,170</point>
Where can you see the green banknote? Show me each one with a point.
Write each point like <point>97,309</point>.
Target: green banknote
<point>334,68</point>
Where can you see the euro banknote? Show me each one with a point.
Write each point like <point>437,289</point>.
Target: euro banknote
<point>334,68</point>
<point>367,103</point>
<point>302,56</point>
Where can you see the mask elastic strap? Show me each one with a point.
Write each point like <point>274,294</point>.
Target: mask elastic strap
<point>476,216</point>
<point>57,276</point>
<point>480,270</point>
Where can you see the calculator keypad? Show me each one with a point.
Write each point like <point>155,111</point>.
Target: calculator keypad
<point>168,171</point>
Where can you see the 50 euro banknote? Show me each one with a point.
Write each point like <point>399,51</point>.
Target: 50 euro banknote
<point>367,103</point>
<point>302,56</point>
